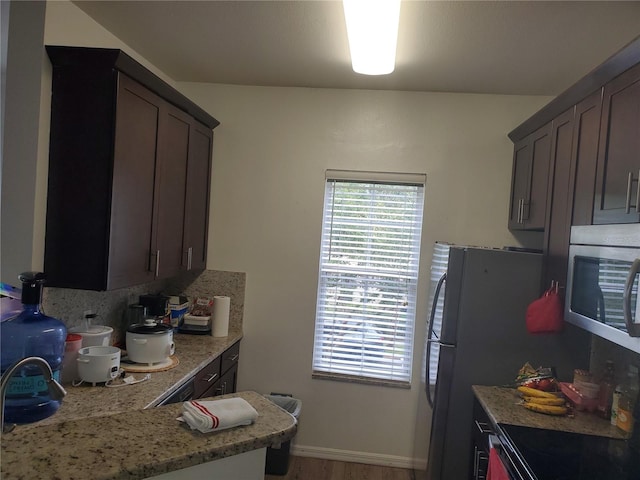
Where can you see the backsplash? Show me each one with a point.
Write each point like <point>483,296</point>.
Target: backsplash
<point>603,350</point>
<point>69,305</point>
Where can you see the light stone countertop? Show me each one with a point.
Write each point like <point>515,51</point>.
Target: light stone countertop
<point>502,406</point>
<point>193,352</point>
<point>114,433</point>
<point>137,444</point>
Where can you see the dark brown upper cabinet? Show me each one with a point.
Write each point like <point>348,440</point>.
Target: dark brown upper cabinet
<point>197,199</point>
<point>584,158</point>
<point>121,145</point>
<point>529,181</point>
<point>560,186</point>
<point>617,195</point>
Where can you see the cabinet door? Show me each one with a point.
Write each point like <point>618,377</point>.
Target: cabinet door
<point>481,429</point>
<point>227,382</point>
<point>585,153</point>
<point>230,357</point>
<point>196,219</point>
<point>206,379</point>
<point>138,113</point>
<point>557,229</point>
<point>522,157</point>
<point>617,198</point>
<point>529,181</point>
<point>170,188</point>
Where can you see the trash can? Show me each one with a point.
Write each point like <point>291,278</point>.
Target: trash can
<point>278,458</point>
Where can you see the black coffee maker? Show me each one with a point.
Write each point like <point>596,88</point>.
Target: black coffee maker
<point>157,306</point>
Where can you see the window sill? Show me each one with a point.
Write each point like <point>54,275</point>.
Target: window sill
<point>380,382</point>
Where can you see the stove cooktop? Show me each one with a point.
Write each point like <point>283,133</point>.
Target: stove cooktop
<point>554,455</point>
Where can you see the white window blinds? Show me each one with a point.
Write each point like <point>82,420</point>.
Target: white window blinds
<point>368,277</point>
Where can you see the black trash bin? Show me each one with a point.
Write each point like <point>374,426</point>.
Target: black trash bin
<point>278,458</point>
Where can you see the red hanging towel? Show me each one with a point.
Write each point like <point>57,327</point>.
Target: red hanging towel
<point>496,470</point>
<point>545,315</point>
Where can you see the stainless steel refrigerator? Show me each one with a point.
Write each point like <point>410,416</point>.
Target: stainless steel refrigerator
<point>477,335</point>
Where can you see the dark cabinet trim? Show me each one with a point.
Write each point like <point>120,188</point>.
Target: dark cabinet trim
<point>97,58</point>
<point>593,81</point>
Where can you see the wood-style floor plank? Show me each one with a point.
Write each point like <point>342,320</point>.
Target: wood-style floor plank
<point>304,468</point>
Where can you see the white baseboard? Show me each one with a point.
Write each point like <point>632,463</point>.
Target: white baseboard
<point>357,457</point>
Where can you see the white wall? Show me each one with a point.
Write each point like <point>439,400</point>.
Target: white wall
<point>270,154</point>
<point>21,110</point>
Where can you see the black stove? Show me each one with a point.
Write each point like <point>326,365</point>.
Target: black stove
<point>539,454</point>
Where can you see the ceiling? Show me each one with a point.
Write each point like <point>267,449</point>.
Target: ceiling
<point>503,47</point>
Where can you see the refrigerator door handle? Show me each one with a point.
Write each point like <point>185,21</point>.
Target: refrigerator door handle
<point>430,339</point>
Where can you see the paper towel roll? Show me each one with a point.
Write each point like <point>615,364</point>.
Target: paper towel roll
<point>221,307</point>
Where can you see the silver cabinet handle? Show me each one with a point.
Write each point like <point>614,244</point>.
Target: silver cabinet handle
<point>475,462</point>
<point>520,203</point>
<point>483,427</point>
<point>638,194</point>
<point>157,262</point>
<point>630,181</point>
<point>234,358</point>
<point>633,329</point>
<point>211,377</point>
<point>189,257</point>
<point>627,205</point>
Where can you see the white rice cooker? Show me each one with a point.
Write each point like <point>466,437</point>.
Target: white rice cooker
<point>98,363</point>
<point>150,342</point>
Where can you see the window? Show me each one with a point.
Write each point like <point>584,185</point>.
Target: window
<point>368,276</point>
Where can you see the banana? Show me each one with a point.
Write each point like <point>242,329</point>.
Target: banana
<point>544,400</point>
<point>548,409</point>
<point>533,392</point>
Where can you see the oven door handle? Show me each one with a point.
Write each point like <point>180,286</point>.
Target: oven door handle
<point>633,329</point>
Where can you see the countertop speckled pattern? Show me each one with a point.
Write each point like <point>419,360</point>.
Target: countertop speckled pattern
<point>135,445</point>
<point>193,352</point>
<point>502,405</point>
<point>112,433</point>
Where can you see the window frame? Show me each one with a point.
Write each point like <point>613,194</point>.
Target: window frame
<point>325,363</point>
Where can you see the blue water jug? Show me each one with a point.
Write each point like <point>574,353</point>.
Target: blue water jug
<point>31,334</point>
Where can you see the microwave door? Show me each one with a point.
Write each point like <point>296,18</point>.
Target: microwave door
<point>602,292</point>
<point>633,328</point>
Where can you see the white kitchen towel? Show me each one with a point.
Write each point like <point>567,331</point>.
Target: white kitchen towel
<point>213,415</point>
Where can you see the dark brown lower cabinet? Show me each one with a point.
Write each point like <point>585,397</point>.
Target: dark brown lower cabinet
<point>219,377</point>
<point>481,429</point>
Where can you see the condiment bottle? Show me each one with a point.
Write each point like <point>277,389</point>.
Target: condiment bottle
<point>628,399</point>
<point>31,334</point>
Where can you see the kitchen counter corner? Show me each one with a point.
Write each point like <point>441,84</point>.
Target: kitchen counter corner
<point>501,404</point>
<point>136,444</point>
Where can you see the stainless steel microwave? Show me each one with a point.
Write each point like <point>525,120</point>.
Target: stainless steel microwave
<point>602,282</point>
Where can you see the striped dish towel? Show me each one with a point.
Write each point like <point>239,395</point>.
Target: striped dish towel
<point>214,415</point>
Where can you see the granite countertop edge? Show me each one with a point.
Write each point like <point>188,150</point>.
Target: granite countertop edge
<point>502,406</point>
<point>138,444</point>
<point>113,433</point>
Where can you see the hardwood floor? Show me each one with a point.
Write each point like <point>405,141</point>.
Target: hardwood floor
<point>303,468</point>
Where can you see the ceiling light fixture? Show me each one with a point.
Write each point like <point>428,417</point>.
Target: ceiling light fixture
<point>372,28</point>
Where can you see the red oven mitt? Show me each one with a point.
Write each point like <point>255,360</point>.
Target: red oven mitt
<point>545,315</point>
